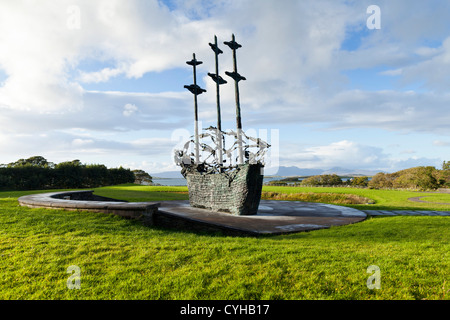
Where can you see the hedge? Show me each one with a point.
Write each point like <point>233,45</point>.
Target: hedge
<point>27,176</point>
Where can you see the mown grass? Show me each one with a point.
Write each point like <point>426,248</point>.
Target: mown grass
<point>122,259</point>
<point>336,198</point>
<point>438,198</point>
<point>382,199</point>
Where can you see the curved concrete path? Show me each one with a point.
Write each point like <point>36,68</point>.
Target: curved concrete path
<point>406,213</point>
<point>273,217</point>
<point>86,200</point>
<point>419,199</point>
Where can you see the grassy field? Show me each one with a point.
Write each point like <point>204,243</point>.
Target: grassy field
<point>383,199</point>
<point>121,259</point>
<point>437,198</point>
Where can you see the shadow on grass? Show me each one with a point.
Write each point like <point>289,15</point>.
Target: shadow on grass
<point>384,229</point>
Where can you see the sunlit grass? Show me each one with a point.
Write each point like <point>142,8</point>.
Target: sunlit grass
<point>122,259</point>
<point>335,198</point>
<point>437,198</point>
<point>382,199</point>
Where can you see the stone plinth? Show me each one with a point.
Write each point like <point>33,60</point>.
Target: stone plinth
<point>86,200</point>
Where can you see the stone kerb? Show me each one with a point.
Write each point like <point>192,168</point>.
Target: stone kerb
<point>86,200</point>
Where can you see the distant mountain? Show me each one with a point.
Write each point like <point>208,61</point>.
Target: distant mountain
<point>296,171</point>
<point>349,172</point>
<point>167,174</point>
<point>338,171</point>
<point>286,172</point>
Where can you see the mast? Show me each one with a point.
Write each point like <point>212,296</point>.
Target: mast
<point>195,90</point>
<point>236,77</point>
<point>218,80</point>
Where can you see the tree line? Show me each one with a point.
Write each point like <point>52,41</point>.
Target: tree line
<point>37,173</point>
<point>419,178</point>
<point>322,180</point>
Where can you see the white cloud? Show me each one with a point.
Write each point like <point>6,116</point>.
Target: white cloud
<point>104,112</point>
<point>391,110</point>
<point>409,151</point>
<point>351,155</point>
<point>82,142</point>
<point>337,154</point>
<point>393,72</point>
<point>441,143</point>
<point>427,51</point>
<point>152,167</point>
<point>99,76</point>
<point>399,164</point>
<point>433,71</point>
<point>34,55</point>
<point>129,109</point>
<point>39,51</point>
<point>291,56</point>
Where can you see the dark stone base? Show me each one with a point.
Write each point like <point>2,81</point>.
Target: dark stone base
<point>86,200</point>
<point>237,192</point>
<point>273,218</point>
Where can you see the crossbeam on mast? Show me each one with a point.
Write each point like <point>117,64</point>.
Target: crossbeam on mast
<point>218,80</point>
<point>236,77</point>
<point>195,90</point>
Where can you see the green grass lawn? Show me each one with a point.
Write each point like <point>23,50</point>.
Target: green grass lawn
<point>438,198</point>
<point>121,259</point>
<point>384,199</point>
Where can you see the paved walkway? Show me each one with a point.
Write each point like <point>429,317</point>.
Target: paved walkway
<point>273,217</point>
<point>412,212</point>
<point>419,199</point>
<point>405,213</point>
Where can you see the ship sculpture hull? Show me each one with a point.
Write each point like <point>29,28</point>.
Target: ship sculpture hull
<point>237,192</point>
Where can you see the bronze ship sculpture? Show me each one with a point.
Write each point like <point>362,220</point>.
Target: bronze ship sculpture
<point>219,182</point>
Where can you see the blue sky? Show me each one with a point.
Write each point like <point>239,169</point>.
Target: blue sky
<point>103,81</point>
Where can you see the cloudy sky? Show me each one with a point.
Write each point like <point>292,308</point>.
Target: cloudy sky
<point>329,83</point>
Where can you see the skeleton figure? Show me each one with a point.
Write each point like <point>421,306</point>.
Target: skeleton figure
<point>184,158</point>
<point>213,152</point>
